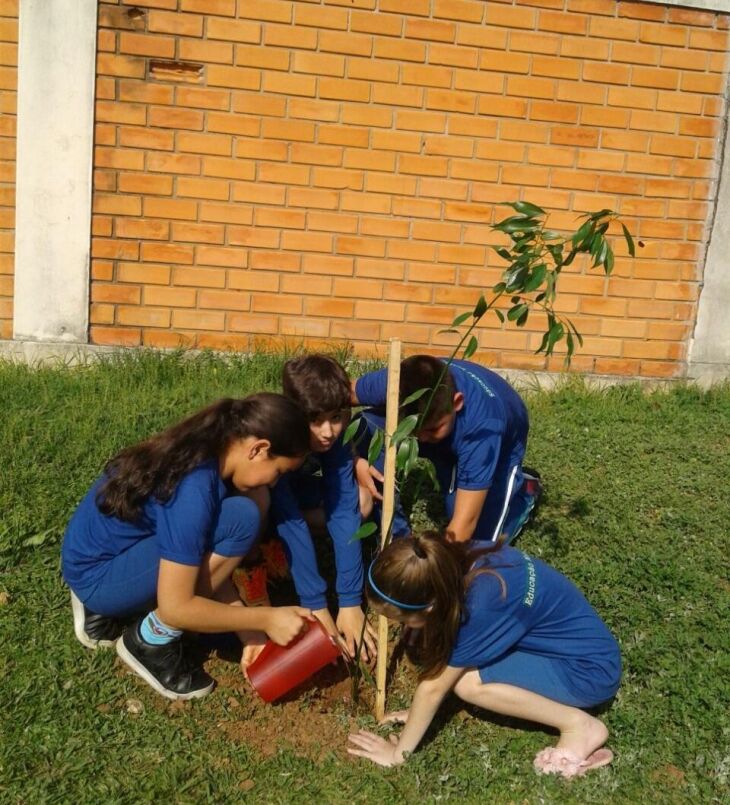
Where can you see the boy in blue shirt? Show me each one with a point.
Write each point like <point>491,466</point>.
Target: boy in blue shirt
<point>323,497</point>
<point>474,433</point>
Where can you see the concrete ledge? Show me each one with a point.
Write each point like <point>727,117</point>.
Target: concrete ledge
<point>722,6</point>
<point>36,353</point>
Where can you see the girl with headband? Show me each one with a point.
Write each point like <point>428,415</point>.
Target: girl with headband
<point>505,632</point>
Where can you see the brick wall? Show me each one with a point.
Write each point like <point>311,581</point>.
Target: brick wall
<point>8,94</point>
<point>329,170</point>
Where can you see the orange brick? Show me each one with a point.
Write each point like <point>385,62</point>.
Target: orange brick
<point>253,280</point>
<point>126,66</point>
<point>320,286</point>
<point>220,144</point>
<point>315,154</point>
<point>561,22</point>
<point>275,261</point>
<point>169,208</point>
<point>228,168</point>
<point>143,92</point>
<point>288,84</point>
<point>319,64</point>
<point>217,189</point>
<point>416,208</point>
<point>379,269</point>
<point>380,311</point>
<point>431,230</point>
<point>328,265</point>
<point>510,17</point>
<point>276,303</point>
<point>481,36</point>
<point>101,314</point>
<point>423,166</point>
<point>176,118</point>
<point>200,50</point>
<point>141,45</point>
<point>298,37</point>
<point>607,73</point>
<point>683,59</point>
<point>197,233</point>
<point>375,23</point>
<point>147,138</point>
<point>264,57</point>
<point>464,10</point>
<point>101,227</point>
<point>224,300</point>
<point>143,273</point>
<point>625,141</point>
<point>285,174</point>
<point>144,230</point>
<point>233,30</point>
<point>530,87</point>
<point>198,277</point>
<point>198,319</point>
<point>253,236</point>
<point>117,205</point>
<point>401,49</point>
<point>220,7</point>
<point>100,247</point>
<point>344,89</point>
<point>555,112</point>
<point>672,146</point>
<point>168,297</point>
<point>174,23</point>
<point>166,253</point>
<point>261,194</point>
<point>330,222</point>
<point>234,77</point>
<point>115,336</point>
<point>145,184</point>
<point>584,48</point>
<point>306,241</point>
<point>117,294</point>
<point>203,97</point>
<point>173,163</point>
<point>335,308</point>
<point>252,324</point>
<point>431,30</point>
<point>444,189</point>
<point>709,84</point>
<point>313,110</point>
<point>111,112</point>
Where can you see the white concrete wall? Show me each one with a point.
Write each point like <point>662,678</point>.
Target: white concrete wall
<point>56,66</point>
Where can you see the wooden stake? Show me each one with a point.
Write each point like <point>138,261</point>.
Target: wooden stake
<point>391,423</point>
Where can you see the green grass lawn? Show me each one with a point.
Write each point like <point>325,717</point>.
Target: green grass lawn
<point>636,512</point>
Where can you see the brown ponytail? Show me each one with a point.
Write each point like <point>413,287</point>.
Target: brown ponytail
<point>156,466</point>
<point>426,569</point>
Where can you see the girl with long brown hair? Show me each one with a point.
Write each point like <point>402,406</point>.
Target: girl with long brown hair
<point>505,632</point>
<point>159,534</point>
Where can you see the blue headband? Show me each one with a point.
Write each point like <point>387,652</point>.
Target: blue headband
<point>387,598</point>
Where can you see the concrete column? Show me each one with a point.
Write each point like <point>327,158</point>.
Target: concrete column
<point>709,351</point>
<point>56,76</point>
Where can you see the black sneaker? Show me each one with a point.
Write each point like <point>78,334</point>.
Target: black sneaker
<point>92,630</point>
<point>166,668</point>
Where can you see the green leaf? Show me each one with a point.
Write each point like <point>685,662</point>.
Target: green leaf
<point>460,319</point>
<point>350,431</point>
<point>515,312</point>
<point>376,445</point>
<point>520,322</point>
<point>629,241</point>
<point>608,262</point>
<point>471,347</point>
<point>527,208</point>
<point>481,308</point>
<point>582,232</point>
<point>543,343</point>
<point>555,334</point>
<point>405,428</point>
<point>499,288</point>
<point>365,530</point>
<point>518,224</point>
<point>37,539</point>
<point>413,397</point>
<point>499,315</point>
<point>570,344</point>
<point>502,252</point>
<point>535,279</point>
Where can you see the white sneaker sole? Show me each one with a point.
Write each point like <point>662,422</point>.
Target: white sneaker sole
<point>79,621</point>
<point>132,662</point>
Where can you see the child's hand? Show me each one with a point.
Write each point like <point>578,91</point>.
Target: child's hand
<point>375,748</point>
<point>253,645</point>
<point>350,624</point>
<point>366,477</point>
<point>285,623</point>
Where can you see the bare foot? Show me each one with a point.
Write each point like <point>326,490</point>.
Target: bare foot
<point>585,736</point>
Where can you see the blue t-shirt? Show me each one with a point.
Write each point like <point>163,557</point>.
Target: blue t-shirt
<point>540,612</point>
<point>181,525</point>
<point>342,510</point>
<point>490,426</point>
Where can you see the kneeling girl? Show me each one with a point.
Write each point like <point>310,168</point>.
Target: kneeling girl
<point>503,631</point>
<point>161,531</point>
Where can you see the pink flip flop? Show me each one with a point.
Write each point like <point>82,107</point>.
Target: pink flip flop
<point>568,764</point>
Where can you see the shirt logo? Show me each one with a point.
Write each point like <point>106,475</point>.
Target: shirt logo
<point>531,582</point>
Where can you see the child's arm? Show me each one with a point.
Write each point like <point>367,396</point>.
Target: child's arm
<point>426,701</point>
<point>181,608</point>
<point>467,509</point>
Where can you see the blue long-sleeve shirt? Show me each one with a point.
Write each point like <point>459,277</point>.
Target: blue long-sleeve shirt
<point>342,512</point>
